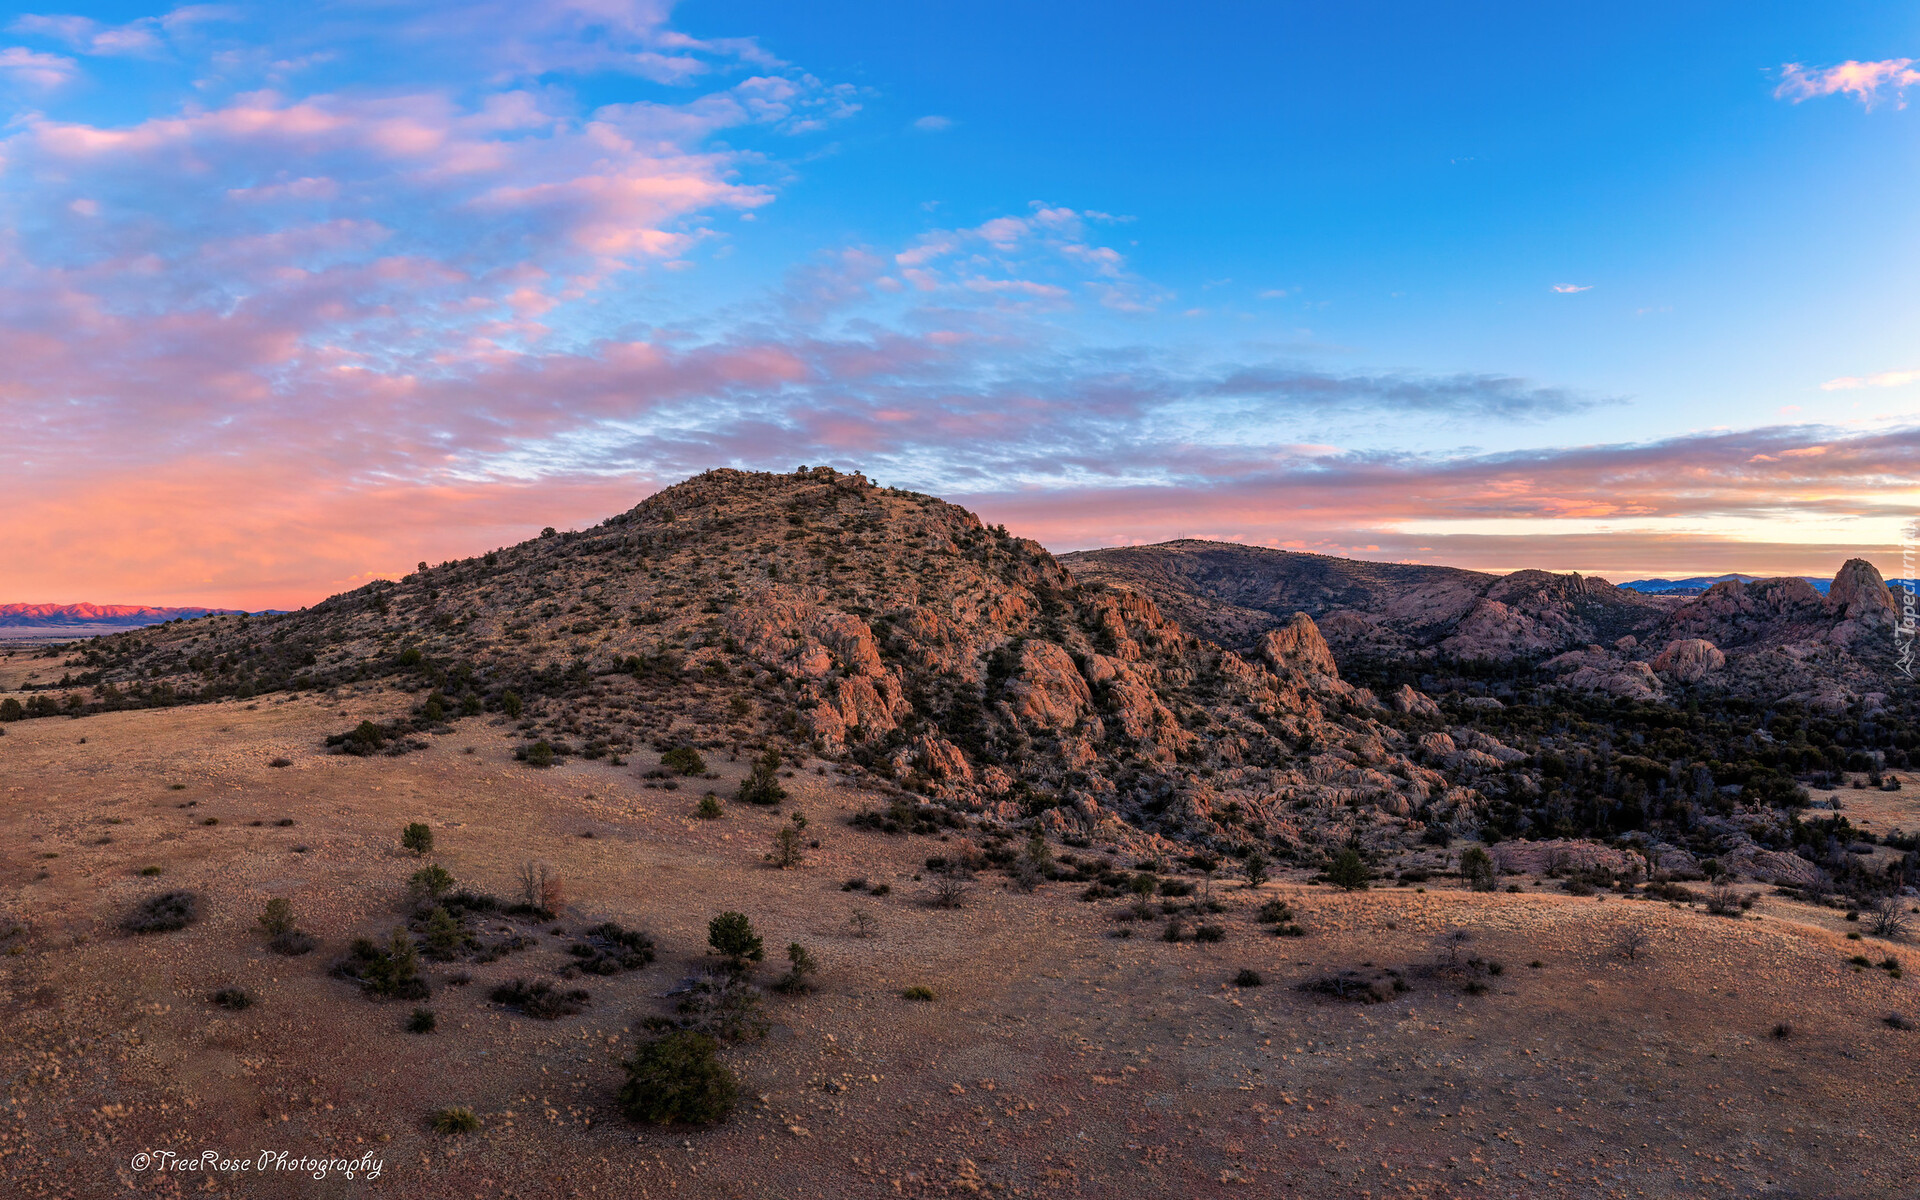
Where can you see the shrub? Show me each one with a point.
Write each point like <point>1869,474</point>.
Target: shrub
<point>1348,986</point>
<point>862,923</point>
<point>708,809</point>
<point>443,937</point>
<point>150,871</point>
<point>1897,1021</point>
<point>510,703</point>
<point>723,1004</point>
<point>540,754</point>
<point>277,917</point>
<point>283,937</point>
<point>762,784</point>
<point>391,971</point>
<point>685,760</point>
<point>540,999</point>
<point>429,883</point>
<point>1632,942</point>
<point>947,891</point>
<point>1254,867</point>
<point>542,891</point>
<point>732,934</point>
<point>232,999</point>
<point>1209,933</point>
<point>1275,912</point>
<point>417,838</point>
<point>164,913</point>
<point>678,1078</point>
<point>1348,870</point>
<point>281,762</point>
<point>455,1120</point>
<point>799,976</point>
<point>1783,1031</point>
<point>918,992</point>
<point>788,845</point>
<point>608,949</point>
<point>1890,917</point>
<point>1476,867</point>
<point>1248,978</point>
<point>423,1020</point>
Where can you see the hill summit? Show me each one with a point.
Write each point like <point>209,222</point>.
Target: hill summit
<point>885,629</point>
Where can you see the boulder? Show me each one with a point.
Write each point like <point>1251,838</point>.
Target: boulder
<point>1414,703</point>
<point>1688,660</point>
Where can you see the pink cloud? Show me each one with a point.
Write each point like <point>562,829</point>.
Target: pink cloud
<point>31,69</point>
<point>1868,82</point>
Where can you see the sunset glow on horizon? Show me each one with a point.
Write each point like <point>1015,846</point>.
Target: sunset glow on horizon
<point>294,300</point>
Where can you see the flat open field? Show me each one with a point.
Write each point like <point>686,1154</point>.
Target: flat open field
<point>1056,1060</point>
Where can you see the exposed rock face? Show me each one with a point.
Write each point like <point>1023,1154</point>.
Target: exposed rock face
<point>1858,591</point>
<point>1048,691</point>
<point>1688,660</point>
<point>1408,701</point>
<point>1594,669</point>
<point>1298,646</point>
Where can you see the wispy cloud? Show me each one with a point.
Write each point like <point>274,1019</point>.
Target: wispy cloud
<point>1867,82</point>
<point>1883,379</point>
<point>1567,288</point>
<point>933,124</point>
<point>34,70</point>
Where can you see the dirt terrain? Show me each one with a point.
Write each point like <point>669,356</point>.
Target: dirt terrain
<point>1056,1060</point>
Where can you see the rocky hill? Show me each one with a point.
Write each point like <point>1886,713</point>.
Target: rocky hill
<point>1783,639</point>
<point>884,629</point>
<point>1233,593</point>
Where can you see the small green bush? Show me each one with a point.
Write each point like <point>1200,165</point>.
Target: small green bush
<point>1476,867</point>
<point>762,784</point>
<point>417,838</point>
<point>678,1078</point>
<point>1348,870</point>
<point>423,1020</point>
<point>455,1120</point>
<point>799,976</point>
<point>708,809</point>
<point>391,971</point>
<point>918,992</point>
<point>232,999</point>
<point>429,883</point>
<point>685,760</point>
<point>1248,978</point>
<point>731,933</point>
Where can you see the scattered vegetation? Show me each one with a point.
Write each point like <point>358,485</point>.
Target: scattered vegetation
<point>164,913</point>
<point>678,1078</point>
<point>540,999</point>
<point>390,972</point>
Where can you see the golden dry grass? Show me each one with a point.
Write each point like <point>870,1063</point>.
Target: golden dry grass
<point>1058,1060</point>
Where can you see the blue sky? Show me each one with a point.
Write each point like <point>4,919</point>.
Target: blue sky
<point>294,298</point>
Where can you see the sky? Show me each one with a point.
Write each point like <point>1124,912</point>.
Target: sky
<point>294,297</point>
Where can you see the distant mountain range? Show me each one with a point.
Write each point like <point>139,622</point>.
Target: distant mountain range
<point>1694,585</point>
<point>118,616</point>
